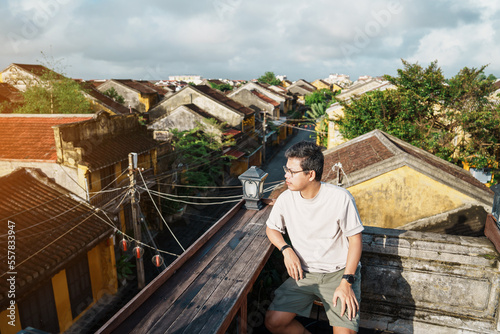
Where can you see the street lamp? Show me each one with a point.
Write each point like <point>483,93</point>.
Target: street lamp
<point>253,186</point>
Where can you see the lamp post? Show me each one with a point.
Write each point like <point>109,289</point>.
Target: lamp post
<point>253,186</point>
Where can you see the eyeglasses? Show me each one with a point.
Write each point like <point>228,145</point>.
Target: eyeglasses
<point>293,172</point>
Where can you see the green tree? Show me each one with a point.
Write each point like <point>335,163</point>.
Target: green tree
<point>269,78</point>
<point>112,93</point>
<point>452,119</point>
<point>201,155</point>
<point>318,117</point>
<point>320,96</point>
<point>222,87</point>
<point>53,93</point>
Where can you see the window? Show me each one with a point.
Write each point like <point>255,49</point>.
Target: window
<point>38,310</point>
<point>79,286</point>
<point>107,176</point>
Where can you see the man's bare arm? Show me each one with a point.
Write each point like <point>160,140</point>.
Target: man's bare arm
<point>292,261</point>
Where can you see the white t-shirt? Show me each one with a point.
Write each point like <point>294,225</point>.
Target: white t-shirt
<point>318,228</point>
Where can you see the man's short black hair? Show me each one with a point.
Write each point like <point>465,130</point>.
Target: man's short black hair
<point>311,156</point>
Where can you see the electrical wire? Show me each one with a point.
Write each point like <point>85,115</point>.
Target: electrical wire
<point>159,212</point>
<point>201,187</point>
<point>58,215</point>
<point>196,203</point>
<point>192,197</point>
<point>47,245</point>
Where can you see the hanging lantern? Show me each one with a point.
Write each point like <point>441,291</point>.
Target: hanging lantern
<point>138,252</point>
<point>124,244</point>
<point>157,260</point>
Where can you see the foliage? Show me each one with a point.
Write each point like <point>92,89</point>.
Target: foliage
<point>317,115</point>
<point>320,96</point>
<point>222,87</point>
<point>112,93</point>
<point>453,120</point>
<point>200,153</point>
<point>124,267</point>
<point>53,93</point>
<point>269,78</point>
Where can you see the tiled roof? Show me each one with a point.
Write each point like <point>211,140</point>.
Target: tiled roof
<point>138,86</point>
<point>31,138</point>
<point>11,93</point>
<point>37,70</point>
<point>377,146</point>
<point>215,94</point>
<point>52,227</point>
<point>115,149</point>
<point>356,156</point>
<point>266,87</point>
<point>265,98</point>
<point>105,100</point>
<point>159,89</point>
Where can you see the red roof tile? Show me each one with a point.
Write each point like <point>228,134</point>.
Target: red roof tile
<point>11,93</point>
<point>51,227</point>
<point>356,155</point>
<point>31,138</point>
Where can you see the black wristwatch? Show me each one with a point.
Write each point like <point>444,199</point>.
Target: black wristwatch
<point>349,278</point>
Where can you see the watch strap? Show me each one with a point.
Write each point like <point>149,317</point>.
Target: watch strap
<point>285,247</point>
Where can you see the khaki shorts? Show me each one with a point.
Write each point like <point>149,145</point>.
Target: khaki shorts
<point>298,297</point>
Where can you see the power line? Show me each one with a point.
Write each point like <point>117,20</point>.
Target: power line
<point>159,212</point>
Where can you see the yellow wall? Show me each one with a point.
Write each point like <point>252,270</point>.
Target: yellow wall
<point>102,269</point>
<point>103,279</point>
<point>402,196</point>
<point>147,100</point>
<point>5,328</point>
<point>320,85</point>
<point>61,297</point>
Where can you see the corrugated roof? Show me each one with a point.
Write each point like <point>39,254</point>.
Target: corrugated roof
<point>51,228</point>
<point>31,138</point>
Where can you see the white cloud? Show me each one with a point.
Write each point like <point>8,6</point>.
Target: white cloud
<point>242,39</point>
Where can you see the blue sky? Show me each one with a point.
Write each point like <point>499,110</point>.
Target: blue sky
<point>239,39</point>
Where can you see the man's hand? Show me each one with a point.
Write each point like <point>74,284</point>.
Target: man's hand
<point>292,263</point>
<point>347,299</point>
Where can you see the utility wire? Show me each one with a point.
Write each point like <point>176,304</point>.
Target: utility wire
<point>159,212</point>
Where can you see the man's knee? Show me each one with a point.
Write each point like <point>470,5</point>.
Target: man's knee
<point>276,320</point>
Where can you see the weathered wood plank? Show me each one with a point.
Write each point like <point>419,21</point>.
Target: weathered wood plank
<point>164,297</point>
<point>218,272</point>
<point>224,303</point>
<point>145,293</point>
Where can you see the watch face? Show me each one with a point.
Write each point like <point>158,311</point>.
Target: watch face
<point>349,278</point>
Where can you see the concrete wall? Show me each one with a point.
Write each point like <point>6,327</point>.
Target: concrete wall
<point>248,99</point>
<point>130,96</point>
<point>76,139</point>
<point>404,195</point>
<point>415,282</point>
<point>66,177</point>
<point>184,119</point>
<point>190,95</point>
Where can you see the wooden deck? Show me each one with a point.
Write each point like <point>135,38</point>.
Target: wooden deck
<point>205,288</point>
